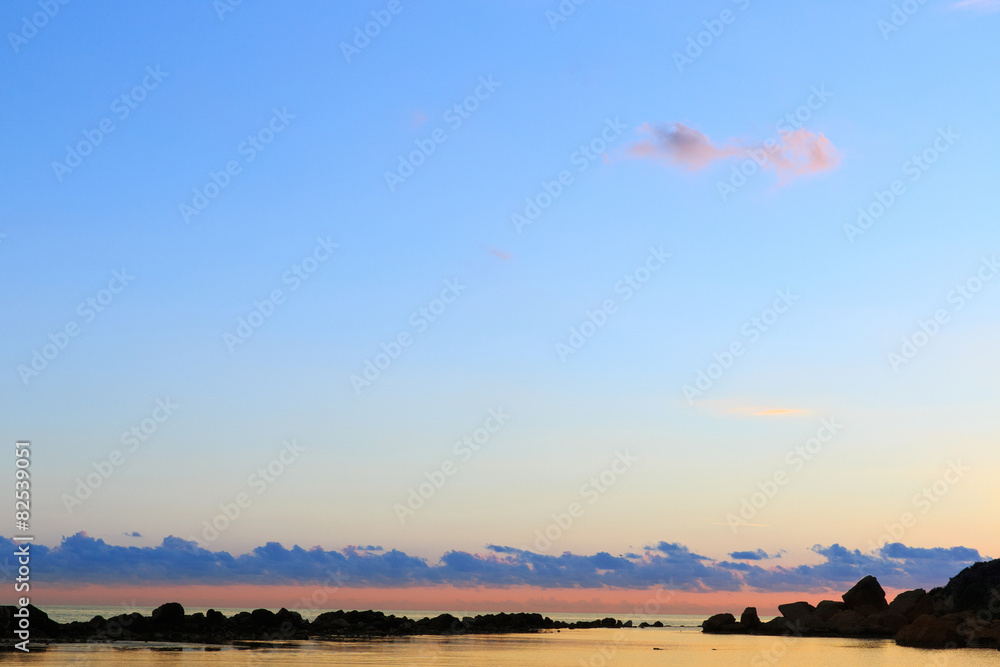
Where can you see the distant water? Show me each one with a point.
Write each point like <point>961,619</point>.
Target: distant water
<point>569,648</point>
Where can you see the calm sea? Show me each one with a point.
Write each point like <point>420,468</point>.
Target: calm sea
<point>680,644</point>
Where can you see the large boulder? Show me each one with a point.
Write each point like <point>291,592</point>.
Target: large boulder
<point>912,604</point>
<point>932,632</point>
<point>170,615</point>
<point>827,609</point>
<point>866,597</point>
<point>847,623</point>
<point>716,624</point>
<point>778,625</point>
<point>40,623</point>
<point>797,611</point>
<point>980,631</point>
<point>883,624</point>
<point>749,619</point>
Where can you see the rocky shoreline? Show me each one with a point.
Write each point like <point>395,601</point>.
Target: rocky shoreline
<point>963,614</point>
<point>170,623</point>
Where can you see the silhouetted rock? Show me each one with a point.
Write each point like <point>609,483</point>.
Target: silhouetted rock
<point>749,618</point>
<point>796,611</point>
<point>975,588</point>
<point>931,632</point>
<point>827,609</point>
<point>717,623</point>
<point>883,624</point>
<point>169,615</point>
<point>846,623</point>
<point>776,626</point>
<point>912,604</point>
<point>866,597</point>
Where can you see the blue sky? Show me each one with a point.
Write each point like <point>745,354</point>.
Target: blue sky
<point>329,127</point>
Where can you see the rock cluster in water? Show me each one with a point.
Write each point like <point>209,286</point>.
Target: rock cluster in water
<point>169,623</point>
<point>964,613</point>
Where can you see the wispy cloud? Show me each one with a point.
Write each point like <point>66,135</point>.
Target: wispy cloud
<point>747,407</point>
<point>502,254</point>
<point>978,5</point>
<point>81,559</point>
<point>779,412</point>
<point>793,154</point>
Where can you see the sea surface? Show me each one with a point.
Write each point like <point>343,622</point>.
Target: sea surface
<point>682,643</point>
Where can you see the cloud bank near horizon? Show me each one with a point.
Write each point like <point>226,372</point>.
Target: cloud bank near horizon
<point>81,559</point>
<point>794,153</point>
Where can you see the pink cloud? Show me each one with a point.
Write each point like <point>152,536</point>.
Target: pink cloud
<point>680,144</point>
<point>792,154</point>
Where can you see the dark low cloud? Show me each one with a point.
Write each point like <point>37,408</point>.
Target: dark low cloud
<point>759,554</point>
<point>84,559</point>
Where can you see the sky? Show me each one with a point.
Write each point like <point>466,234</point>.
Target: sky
<point>547,303</point>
